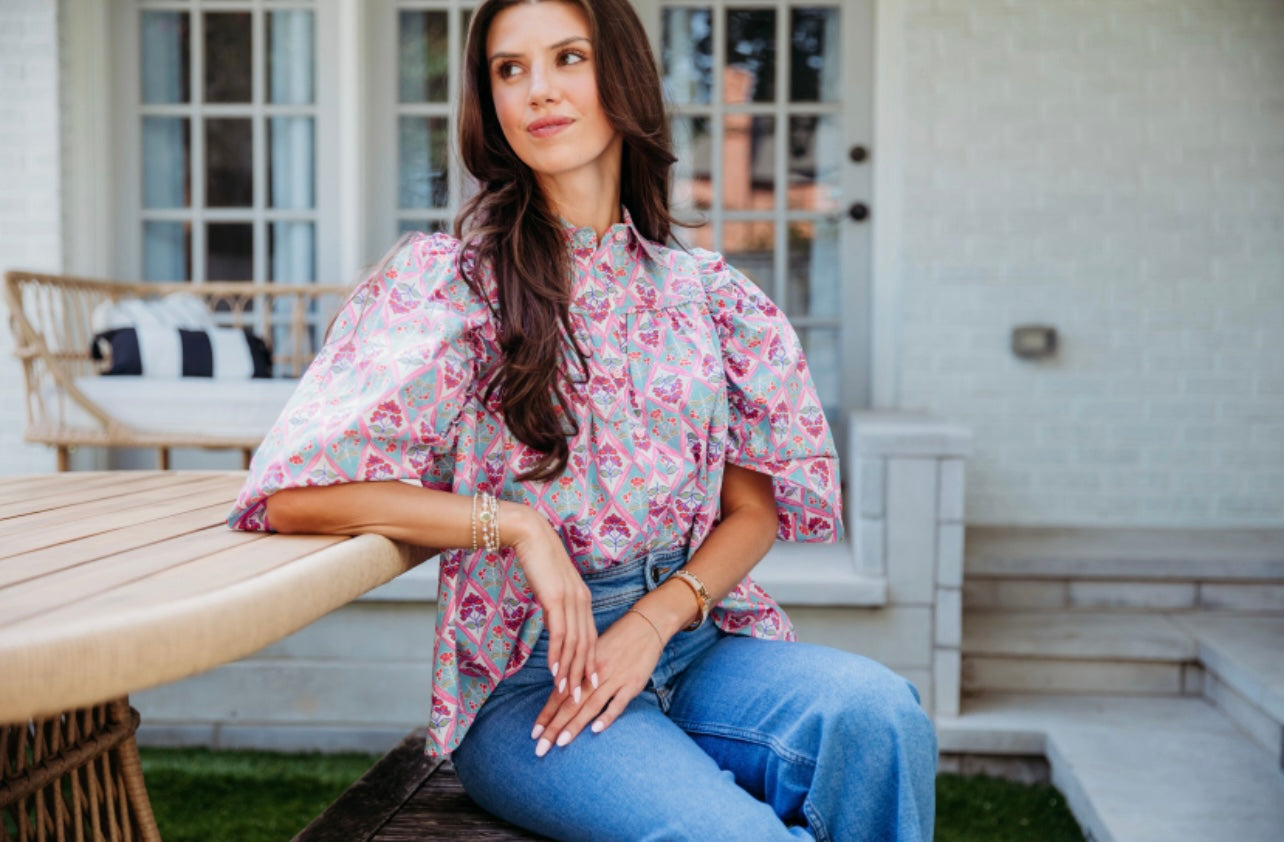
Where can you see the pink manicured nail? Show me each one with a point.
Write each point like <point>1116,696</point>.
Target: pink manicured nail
<point>575,694</point>
<point>561,687</point>
<point>536,731</point>
<point>563,738</point>
<point>593,680</point>
<point>542,748</point>
<point>598,726</point>
<point>555,666</point>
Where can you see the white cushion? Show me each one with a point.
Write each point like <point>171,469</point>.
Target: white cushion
<point>197,405</point>
<point>178,309</point>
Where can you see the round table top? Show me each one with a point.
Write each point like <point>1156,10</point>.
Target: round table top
<point>117,581</point>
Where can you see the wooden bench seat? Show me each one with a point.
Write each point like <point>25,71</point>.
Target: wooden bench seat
<point>407,796</point>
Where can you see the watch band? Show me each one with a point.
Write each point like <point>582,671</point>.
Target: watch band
<point>697,587</point>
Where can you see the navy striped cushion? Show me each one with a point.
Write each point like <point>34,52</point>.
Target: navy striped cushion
<point>225,353</point>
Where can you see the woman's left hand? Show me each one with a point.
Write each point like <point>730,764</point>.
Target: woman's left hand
<point>627,654</point>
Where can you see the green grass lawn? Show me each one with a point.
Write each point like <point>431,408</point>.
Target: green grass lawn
<point>251,796</point>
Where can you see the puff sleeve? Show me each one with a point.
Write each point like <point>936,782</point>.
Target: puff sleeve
<point>775,423</point>
<point>382,398</point>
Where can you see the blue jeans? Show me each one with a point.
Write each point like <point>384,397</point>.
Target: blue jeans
<point>733,738</point>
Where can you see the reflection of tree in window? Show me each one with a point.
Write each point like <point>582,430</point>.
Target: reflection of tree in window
<point>811,35</point>
<point>687,54</point>
<point>423,57</point>
<point>751,44</point>
<point>227,57</point>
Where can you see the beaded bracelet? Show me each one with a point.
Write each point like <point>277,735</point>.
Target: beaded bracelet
<point>489,519</point>
<point>474,521</point>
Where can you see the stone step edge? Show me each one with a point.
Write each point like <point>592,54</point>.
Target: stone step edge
<point>1237,677</point>
<point>1029,742</point>
<point>957,737</point>
<point>1133,679</point>
<point>1089,651</point>
<point>1212,571</point>
<point>1228,554</point>
<point>1096,658</point>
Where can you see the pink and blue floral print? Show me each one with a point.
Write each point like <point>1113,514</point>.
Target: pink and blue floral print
<point>690,366</point>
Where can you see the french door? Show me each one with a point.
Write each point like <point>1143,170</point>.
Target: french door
<point>772,103</point>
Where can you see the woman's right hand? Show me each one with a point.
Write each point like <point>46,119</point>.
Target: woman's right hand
<point>560,591</point>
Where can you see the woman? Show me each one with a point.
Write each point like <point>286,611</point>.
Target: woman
<point>609,435</point>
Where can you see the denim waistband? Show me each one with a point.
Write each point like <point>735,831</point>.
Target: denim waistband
<point>626,582</point>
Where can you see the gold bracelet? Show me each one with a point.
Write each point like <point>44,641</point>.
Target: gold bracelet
<point>649,622</point>
<point>697,587</point>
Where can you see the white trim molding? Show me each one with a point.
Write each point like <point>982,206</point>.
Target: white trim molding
<point>887,218</point>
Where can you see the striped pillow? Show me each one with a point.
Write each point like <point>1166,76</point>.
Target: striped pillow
<point>223,353</point>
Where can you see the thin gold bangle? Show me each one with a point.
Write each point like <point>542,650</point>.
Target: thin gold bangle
<point>649,622</point>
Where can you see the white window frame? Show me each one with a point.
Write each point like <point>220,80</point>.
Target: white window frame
<point>125,110</point>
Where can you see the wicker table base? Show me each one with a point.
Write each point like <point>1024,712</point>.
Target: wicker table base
<point>75,776</point>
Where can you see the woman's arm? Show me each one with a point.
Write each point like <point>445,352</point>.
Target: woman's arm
<point>733,548</point>
<point>431,518</point>
<point>630,649</point>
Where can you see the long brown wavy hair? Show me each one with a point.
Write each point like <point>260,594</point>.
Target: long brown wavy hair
<point>510,227</point>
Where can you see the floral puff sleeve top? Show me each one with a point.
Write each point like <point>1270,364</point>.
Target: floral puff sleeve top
<point>690,366</point>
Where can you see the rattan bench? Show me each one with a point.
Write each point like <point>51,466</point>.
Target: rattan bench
<point>407,796</point>
<point>50,317</point>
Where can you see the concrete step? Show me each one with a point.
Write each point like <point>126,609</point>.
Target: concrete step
<point>1243,659</point>
<point>1077,652</point>
<point>1076,635</point>
<point>1133,769</point>
<point>1025,593</point>
<point>1124,553</point>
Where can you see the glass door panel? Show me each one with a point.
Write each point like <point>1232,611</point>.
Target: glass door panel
<point>765,97</point>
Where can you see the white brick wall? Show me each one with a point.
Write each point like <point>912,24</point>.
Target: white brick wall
<point>30,227</point>
<point>1115,169</point>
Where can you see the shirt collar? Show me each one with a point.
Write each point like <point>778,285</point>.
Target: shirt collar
<point>585,237</point>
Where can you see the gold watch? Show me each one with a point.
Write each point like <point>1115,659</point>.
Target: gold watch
<point>697,587</point>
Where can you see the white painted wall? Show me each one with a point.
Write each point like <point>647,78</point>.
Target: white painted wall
<point>1115,169</point>
<point>30,207</point>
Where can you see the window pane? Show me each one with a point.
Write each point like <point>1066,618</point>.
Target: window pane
<point>687,55</point>
<point>227,57</point>
<point>229,164</point>
<point>751,56</point>
<point>291,164</point>
<point>423,59</point>
<point>821,348</point>
<point>292,252</point>
<point>166,146</point>
<point>813,57</point>
<point>167,251</point>
<point>229,251</point>
<point>291,66</point>
<point>692,175</point>
<point>813,269</point>
<point>815,163</point>
<point>750,247</point>
<point>748,162</point>
<point>166,60</point>
<point>422,150</point>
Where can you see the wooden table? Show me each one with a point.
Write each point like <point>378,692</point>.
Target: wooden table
<point>112,582</point>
